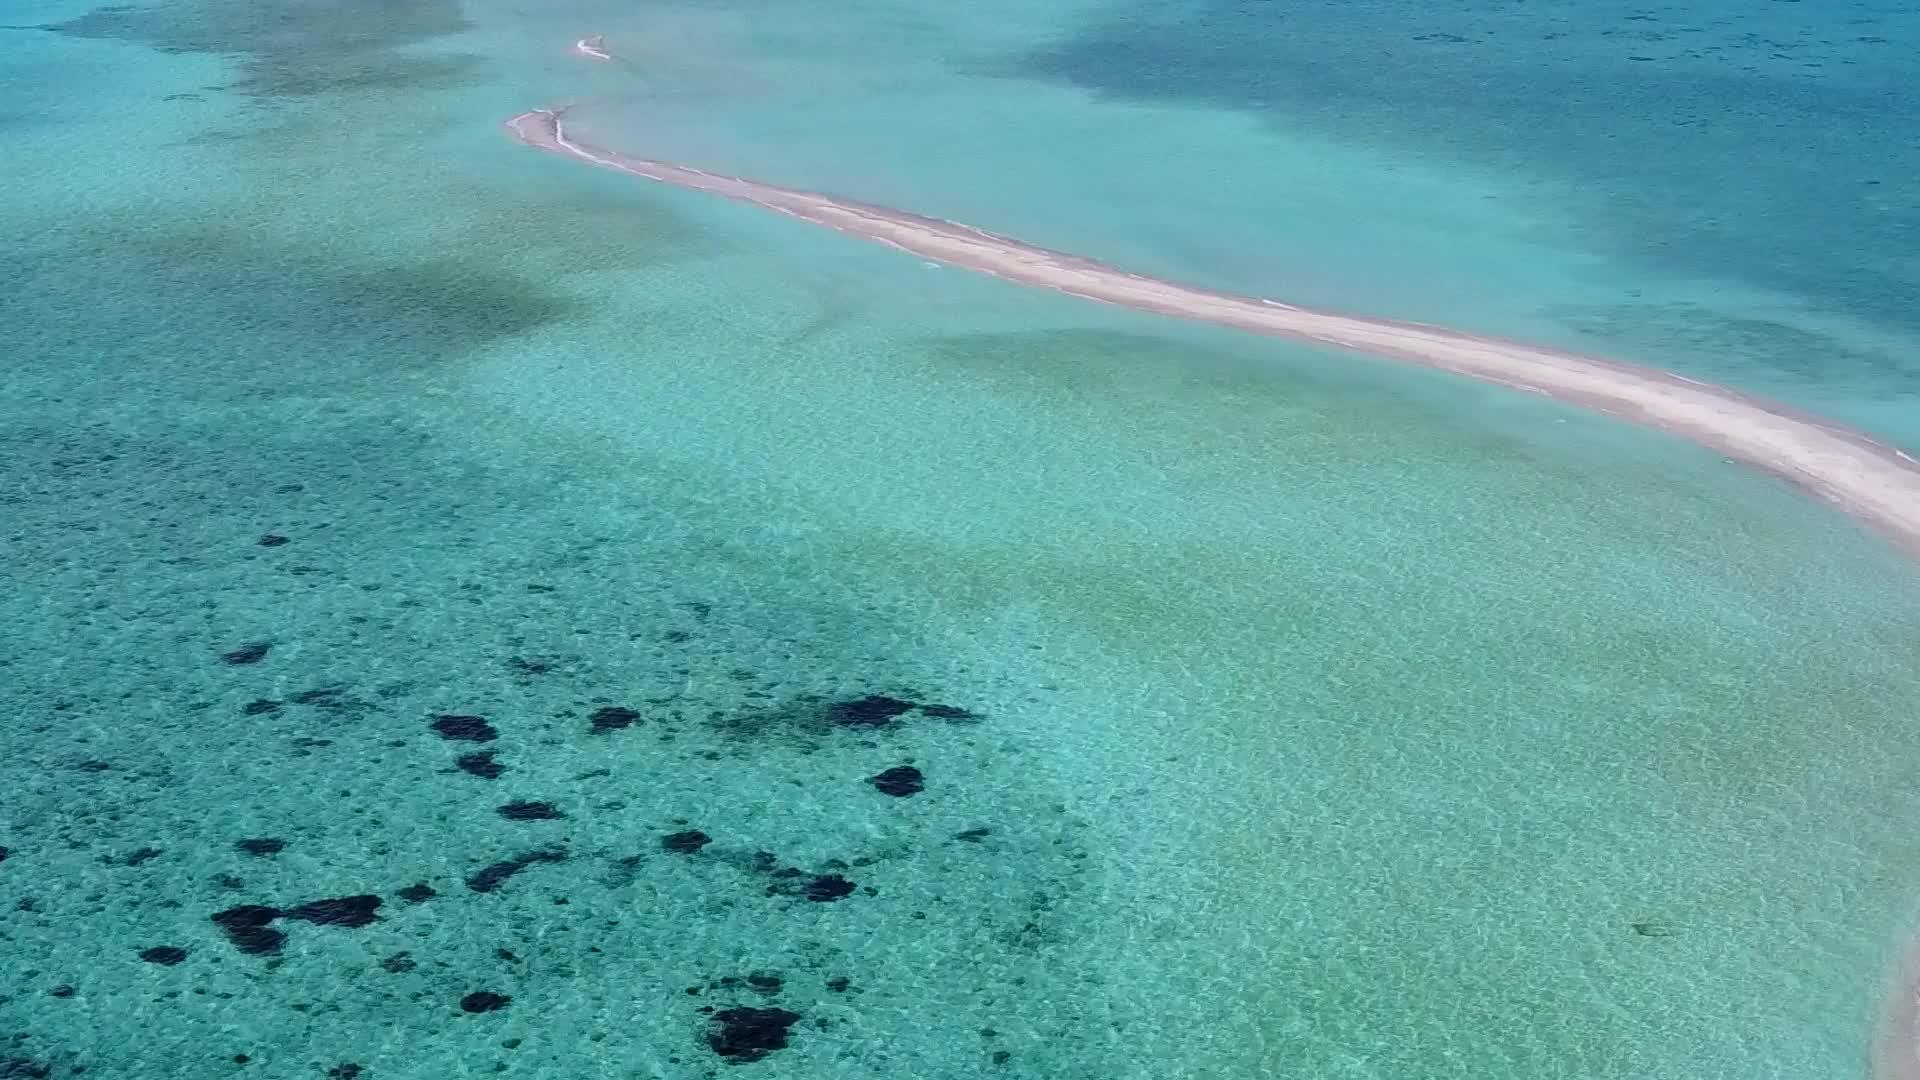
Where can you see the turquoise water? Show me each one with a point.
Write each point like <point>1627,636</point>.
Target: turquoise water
<point>1274,712</point>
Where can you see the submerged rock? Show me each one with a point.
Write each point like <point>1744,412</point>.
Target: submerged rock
<point>496,875</point>
<point>324,697</point>
<point>686,843</point>
<point>749,1034</point>
<point>455,727</point>
<point>167,955</point>
<point>484,1001</point>
<point>826,888</point>
<point>249,927</point>
<point>899,781</point>
<point>872,711</point>
<point>248,654</point>
<point>145,854</point>
<point>481,763</point>
<point>350,911</point>
<point>612,718</point>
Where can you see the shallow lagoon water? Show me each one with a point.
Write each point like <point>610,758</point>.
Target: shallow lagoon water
<point>1324,718</point>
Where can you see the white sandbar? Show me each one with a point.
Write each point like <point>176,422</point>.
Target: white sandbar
<point>1874,482</point>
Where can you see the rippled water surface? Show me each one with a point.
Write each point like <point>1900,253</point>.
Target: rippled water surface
<point>469,613</point>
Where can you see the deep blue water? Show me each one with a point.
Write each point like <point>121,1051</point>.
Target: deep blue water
<point>1768,144</point>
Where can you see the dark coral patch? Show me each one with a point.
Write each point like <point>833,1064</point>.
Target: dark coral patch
<point>271,540</point>
<point>899,781</point>
<point>480,763</point>
<point>686,843</point>
<point>324,697</point>
<point>826,888</point>
<point>820,888</point>
<point>748,1034</point>
<point>457,728</point>
<point>973,836</point>
<point>839,984</point>
<point>258,706</point>
<point>261,846</point>
<point>492,877</point>
<point>250,926</point>
<point>167,955</point>
<point>484,1001</point>
<point>347,1071</point>
<point>351,911</point>
<point>248,654</point>
<point>530,811</point>
<point>612,718</point>
<point>947,712</point>
<point>418,893</point>
<point>872,711</point>
<point>250,929</point>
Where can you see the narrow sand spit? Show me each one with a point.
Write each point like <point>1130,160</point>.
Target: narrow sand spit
<point>1876,483</point>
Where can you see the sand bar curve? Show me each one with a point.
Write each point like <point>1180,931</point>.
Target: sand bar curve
<point>1874,482</point>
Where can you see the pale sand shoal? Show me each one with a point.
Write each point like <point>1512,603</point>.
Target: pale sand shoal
<point>1876,483</point>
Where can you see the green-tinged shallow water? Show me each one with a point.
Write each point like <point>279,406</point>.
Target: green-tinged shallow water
<point>1057,692</point>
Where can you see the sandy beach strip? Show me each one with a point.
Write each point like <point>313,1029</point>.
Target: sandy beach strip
<point>1874,482</point>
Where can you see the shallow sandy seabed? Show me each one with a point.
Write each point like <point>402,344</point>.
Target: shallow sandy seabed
<point>1876,483</point>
